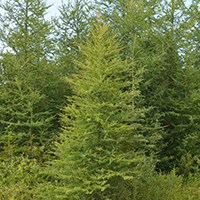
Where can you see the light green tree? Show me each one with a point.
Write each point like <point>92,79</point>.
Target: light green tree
<point>101,150</point>
<point>72,28</point>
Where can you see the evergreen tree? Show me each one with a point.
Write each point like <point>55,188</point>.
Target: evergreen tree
<point>136,26</point>
<point>72,28</point>
<point>100,149</point>
<point>187,107</point>
<point>179,117</point>
<point>31,88</point>
<point>159,39</point>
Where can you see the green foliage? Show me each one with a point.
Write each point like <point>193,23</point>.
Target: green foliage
<point>180,112</point>
<point>160,39</point>
<point>169,186</point>
<point>18,178</point>
<point>20,108</point>
<point>136,27</point>
<point>101,129</point>
<point>24,30</point>
<point>31,91</point>
<point>128,90</point>
<point>71,28</point>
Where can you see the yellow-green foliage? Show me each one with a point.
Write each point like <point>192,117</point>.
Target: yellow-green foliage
<point>18,177</point>
<point>103,140</point>
<point>168,187</point>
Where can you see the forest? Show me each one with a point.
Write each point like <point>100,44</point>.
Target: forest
<point>101,101</point>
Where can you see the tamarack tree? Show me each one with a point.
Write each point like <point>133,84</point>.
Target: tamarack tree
<point>101,146</point>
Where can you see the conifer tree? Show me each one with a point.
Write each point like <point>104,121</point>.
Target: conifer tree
<point>100,149</point>
<point>186,109</point>
<point>179,117</point>
<point>136,26</point>
<point>157,37</point>
<point>31,89</point>
<point>72,28</point>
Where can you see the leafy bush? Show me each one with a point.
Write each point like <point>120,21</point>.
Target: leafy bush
<point>168,187</point>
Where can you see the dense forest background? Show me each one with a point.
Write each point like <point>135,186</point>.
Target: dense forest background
<point>102,102</point>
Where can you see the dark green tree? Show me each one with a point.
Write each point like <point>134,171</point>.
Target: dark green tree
<point>159,38</point>
<point>180,119</point>
<point>136,25</point>
<point>31,86</point>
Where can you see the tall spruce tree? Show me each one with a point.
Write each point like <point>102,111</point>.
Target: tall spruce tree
<point>31,88</point>
<point>187,110</point>
<point>179,117</point>
<point>99,154</point>
<point>136,26</point>
<point>157,37</point>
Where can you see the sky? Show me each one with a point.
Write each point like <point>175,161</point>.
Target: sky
<point>53,11</point>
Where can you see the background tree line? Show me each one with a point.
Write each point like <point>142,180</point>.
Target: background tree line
<point>100,102</point>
